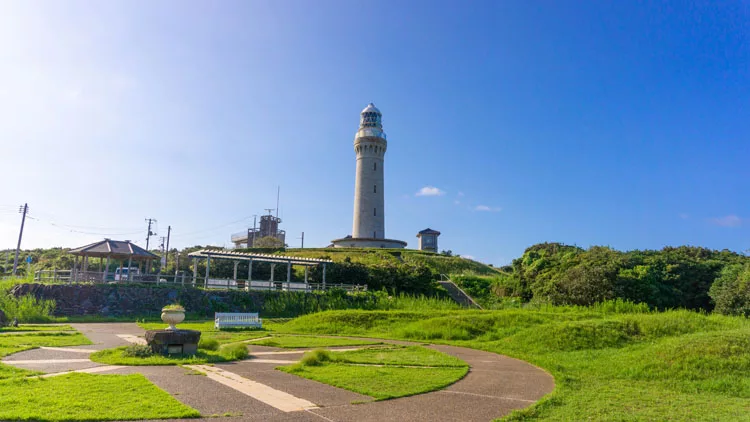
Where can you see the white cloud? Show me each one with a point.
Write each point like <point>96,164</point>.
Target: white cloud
<point>430,191</point>
<point>487,208</point>
<point>727,221</point>
<point>683,216</point>
<point>457,202</point>
<point>460,194</point>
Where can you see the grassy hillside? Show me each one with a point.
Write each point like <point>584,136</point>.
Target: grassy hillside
<point>633,365</point>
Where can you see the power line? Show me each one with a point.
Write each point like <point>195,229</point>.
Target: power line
<point>183,235</point>
<point>51,220</point>
<point>68,229</point>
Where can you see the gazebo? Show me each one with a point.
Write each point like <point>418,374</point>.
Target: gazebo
<point>122,250</point>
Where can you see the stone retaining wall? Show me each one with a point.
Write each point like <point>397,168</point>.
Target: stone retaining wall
<point>116,300</point>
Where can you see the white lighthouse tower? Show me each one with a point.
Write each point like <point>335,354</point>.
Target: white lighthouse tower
<point>368,228</point>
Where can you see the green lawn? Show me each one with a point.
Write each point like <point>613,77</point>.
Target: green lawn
<point>85,397</point>
<point>208,331</point>
<point>675,365</point>
<point>36,327</point>
<point>380,382</point>
<point>14,343</point>
<point>375,371</point>
<point>225,353</point>
<point>293,342</point>
<point>396,355</point>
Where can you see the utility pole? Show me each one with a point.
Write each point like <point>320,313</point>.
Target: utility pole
<point>150,233</point>
<point>303,240</point>
<point>166,255</point>
<point>24,209</point>
<point>163,260</point>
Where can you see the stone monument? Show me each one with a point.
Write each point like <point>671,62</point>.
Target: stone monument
<point>172,340</point>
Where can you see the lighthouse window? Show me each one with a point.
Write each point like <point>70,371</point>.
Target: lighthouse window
<point>375,189</point>
<point>375,211</point>
<point>374,166</point>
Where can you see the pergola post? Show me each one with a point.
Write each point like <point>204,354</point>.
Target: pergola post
<point>273,267</point>
<point>130,262</point>
<point>75,270</point>
<point>249,272</point>
<point>85,264</point>
<point>307,268</point>
<point>106,270</point>
<point>235,269</point>
<point>195,270</point>
<point>324,276</point>
<point>288,275</point>
<point>208,269</point>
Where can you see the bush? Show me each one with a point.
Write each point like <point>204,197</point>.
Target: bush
<point>208,344</point>
<point>234,351</point>
<point>316,357</point>
<point>137,351</point>
<point>731,291</point>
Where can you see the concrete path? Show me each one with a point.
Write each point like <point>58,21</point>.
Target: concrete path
<point>252,390</point>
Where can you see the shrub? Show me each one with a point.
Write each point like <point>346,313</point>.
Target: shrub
<point>137,351</point>
<point>208,344</point>
<point>173,307</point>
<point>316,357</point>
<point>234,351</point>
<point>731,291</point>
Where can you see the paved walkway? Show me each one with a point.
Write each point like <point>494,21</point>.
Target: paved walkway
<point>252,390</point>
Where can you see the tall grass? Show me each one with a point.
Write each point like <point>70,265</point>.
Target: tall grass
<point>292,304</point>
<point>25,308</point>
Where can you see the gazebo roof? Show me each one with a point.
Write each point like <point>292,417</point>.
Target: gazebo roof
<point>428,231</point>
<point>114,249</point>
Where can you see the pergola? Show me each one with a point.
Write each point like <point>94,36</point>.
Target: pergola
<point>111,249</point>
<point>274,260</point>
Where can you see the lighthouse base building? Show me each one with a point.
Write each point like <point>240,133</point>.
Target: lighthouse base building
<point>368,228</point>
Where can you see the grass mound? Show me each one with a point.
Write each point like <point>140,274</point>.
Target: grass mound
<point>351,322</point>
<point>471,324</point>
<point>716,362</point>
<point>575,335</point>
<point>293,342</point>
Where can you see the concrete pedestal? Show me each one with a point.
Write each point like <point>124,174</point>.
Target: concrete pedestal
<point>173,342</point>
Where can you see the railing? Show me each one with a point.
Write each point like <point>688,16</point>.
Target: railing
<point>186,279</point>
<point>445,279</point>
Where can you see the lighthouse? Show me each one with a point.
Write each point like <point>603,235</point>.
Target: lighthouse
<point>370,145</point>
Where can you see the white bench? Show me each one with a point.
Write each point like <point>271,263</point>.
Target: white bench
<point>234,320</point>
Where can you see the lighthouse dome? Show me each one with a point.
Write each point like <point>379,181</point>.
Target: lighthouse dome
<point>371,118</point>
<point>371,109</point>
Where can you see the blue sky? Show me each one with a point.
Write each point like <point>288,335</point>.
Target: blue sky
<point>584,122</point>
